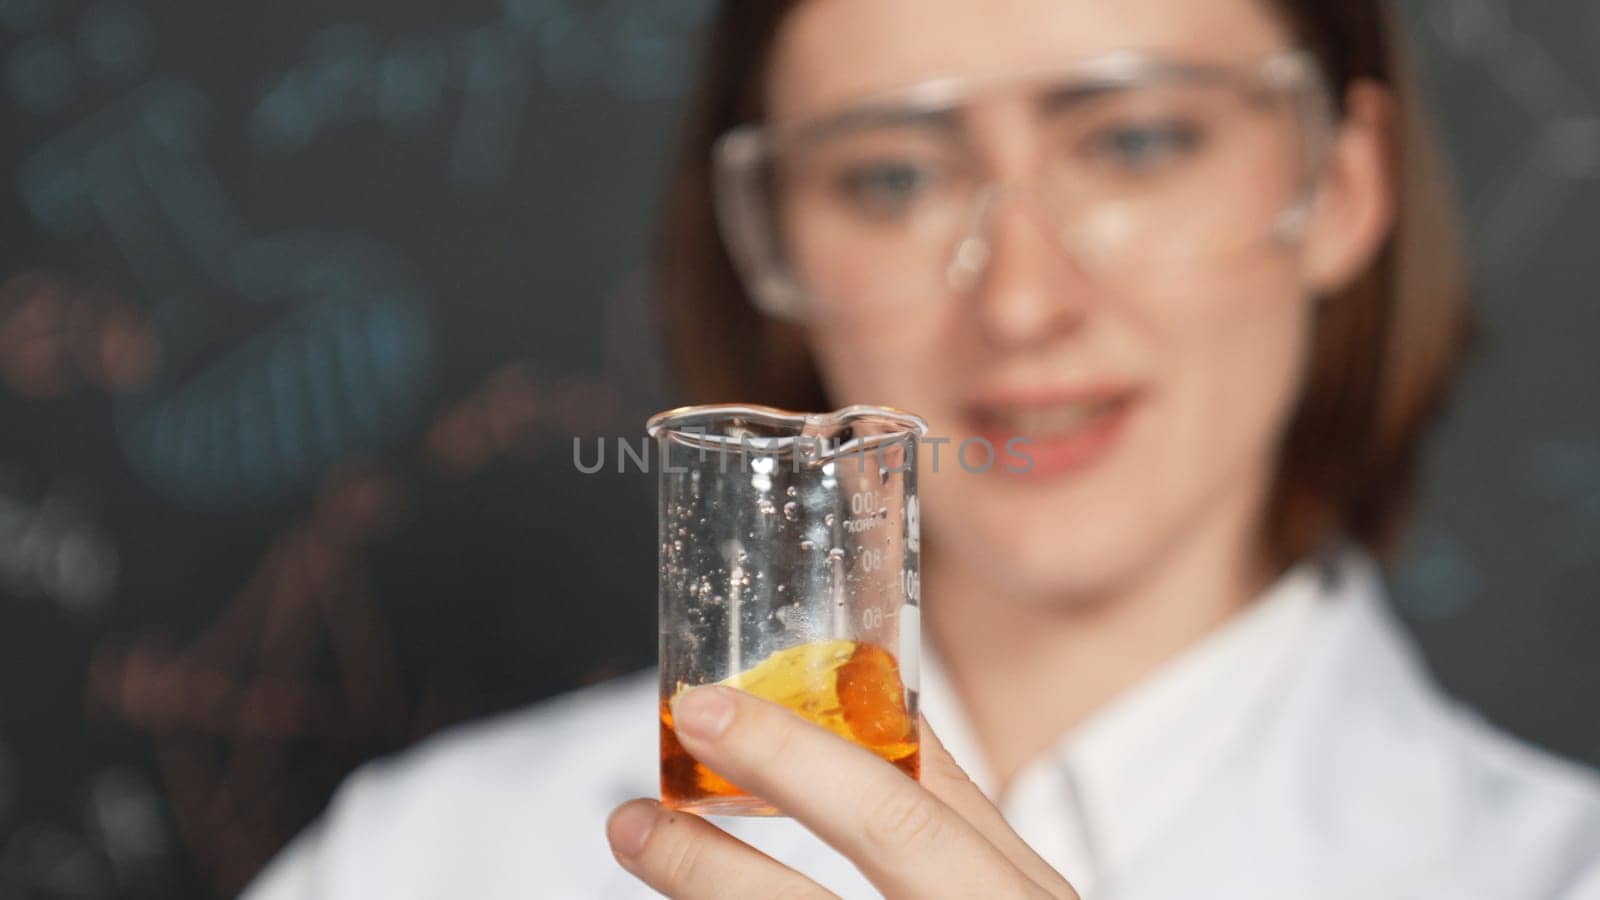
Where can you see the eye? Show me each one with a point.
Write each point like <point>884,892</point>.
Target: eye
<point>884,189</point>
<point>1145,147</point>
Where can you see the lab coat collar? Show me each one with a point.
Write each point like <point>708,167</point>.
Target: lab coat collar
<point>1308,785</point>
<point>1139,762</point>
<point>1350,784</point>
<point>1110,785</point>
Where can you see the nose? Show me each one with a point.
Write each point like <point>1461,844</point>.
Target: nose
<point>1024,286</point>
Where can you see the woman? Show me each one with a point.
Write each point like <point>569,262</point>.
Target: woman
<point>1197,253</point>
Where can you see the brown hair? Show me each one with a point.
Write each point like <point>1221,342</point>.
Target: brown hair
<point>1382,357</point>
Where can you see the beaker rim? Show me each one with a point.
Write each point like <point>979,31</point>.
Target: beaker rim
<point>681,416</point>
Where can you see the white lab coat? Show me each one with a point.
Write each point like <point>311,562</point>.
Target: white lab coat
<point>1360,781</point>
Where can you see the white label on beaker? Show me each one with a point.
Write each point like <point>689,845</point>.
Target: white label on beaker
<point>910,646</point>
<point>913,526</point>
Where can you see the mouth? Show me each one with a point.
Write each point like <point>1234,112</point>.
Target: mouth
<point>1053,433</point>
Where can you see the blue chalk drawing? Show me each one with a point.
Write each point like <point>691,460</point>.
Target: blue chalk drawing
<point>42,75</point>
<point>22,15</point>
<point>1563,479</point>
<point>1561,148</point>
<point>342,369</point>
<point>116,39</point>
<point>636,49</point>
<point>1436,579</point>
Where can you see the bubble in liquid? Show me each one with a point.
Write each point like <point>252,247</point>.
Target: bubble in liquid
<point>677,546</point>
<point>716,600</point>
<point>766,506</point>
<point>836,554</point>
<point>792,491</point>
<point>683,532</point>
<point>791,510</point>
<point>828,520</point>
<point>781,588</point>
<point>807,545</point>
<point>741,556</point>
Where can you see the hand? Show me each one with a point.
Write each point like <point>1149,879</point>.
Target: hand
<point>940,838</point>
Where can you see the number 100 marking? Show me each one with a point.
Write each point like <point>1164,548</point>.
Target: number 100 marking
<point>911,584</point>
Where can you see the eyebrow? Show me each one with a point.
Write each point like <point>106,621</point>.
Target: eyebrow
<point>1064,98</point>
<point>943,121</point>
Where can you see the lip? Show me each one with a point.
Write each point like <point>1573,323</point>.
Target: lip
<point>1066,454</point>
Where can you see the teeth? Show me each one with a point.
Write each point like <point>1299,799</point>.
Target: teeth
<point>1043,422</point>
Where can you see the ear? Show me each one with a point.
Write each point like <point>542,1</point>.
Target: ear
<point>1355,204</point>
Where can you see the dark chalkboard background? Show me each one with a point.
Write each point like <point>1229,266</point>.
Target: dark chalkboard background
<point>302,303</point>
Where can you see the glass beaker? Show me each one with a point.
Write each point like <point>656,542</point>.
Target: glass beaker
<point>789,569</point>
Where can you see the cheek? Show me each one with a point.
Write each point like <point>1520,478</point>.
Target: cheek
<point>1235,366</point>
<point>843,263</point>
<point>1221,355</point>
<point>1222,360</point>
<point>1228,383</point>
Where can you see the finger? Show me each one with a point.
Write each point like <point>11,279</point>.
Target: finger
<point>905,840</point>
<point>945,779</point>
<point>684,856</point>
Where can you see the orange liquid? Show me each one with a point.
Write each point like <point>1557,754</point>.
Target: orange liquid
<point>853,690</point>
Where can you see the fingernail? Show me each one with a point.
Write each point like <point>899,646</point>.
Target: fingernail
<point>630,826</point>
<point>703,712</point>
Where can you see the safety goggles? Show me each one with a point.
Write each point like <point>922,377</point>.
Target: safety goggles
<point>1129,164</point>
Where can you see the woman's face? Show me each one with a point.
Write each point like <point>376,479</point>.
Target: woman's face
<point>1151,400</point>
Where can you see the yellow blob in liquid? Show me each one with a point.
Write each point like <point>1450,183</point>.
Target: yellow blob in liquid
<point>852,689</point>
